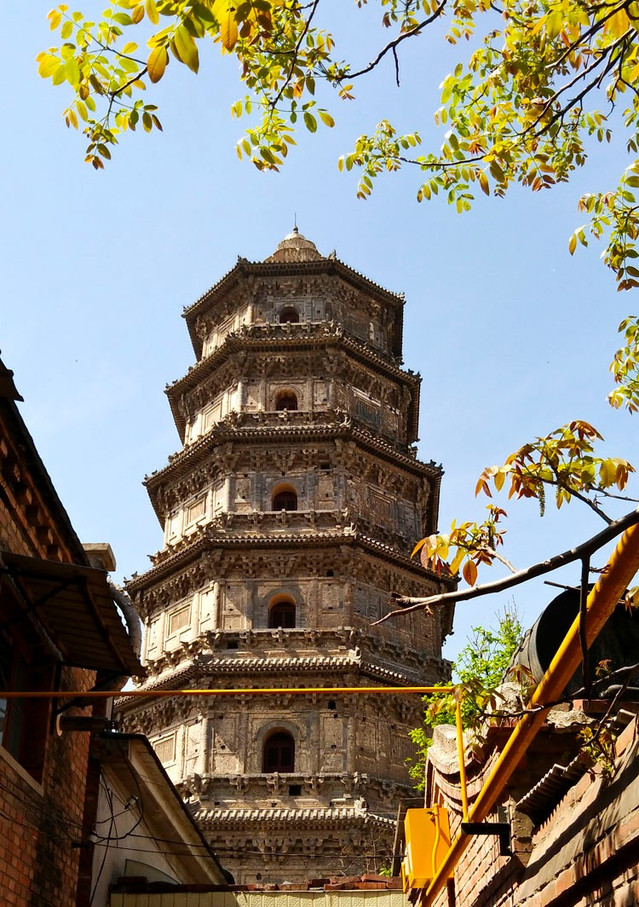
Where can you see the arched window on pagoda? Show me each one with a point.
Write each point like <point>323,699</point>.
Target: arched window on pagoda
<point>279,753</point>
<point>286,399</point>
<point>284,498</point>
<point>281,612</point>
<point>289,315</point>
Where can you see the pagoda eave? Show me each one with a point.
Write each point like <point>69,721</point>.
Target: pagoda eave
<point>246,269</point>
<point>236,431</point>
<point>287,338</point>
<point>213,541</point>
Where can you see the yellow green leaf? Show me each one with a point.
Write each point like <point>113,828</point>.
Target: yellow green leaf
<point>225,15</point>
<point>72,71</point>
<point>456,561</point>
<point>419,545</point>
<point>608,473</point>
<point>186,48</point>
<point>496,171</point>
<point>157,62</point>
<point>47,65</point>
<point>326,118</point>
<point>152,11</point>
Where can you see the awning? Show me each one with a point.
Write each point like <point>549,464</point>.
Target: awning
<point>75,606</point>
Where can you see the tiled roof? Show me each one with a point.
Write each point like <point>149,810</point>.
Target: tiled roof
<point>328,815</point>
<point>217,540</point>
<point>289,431</point>
<point>278,664</point>
<point>204,666</point>
<point>275,269</point>
<point>267,336</point>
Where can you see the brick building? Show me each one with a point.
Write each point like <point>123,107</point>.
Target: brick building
<point>568,813</point>
<point>289,513</point>
<point>574,827</point>
<point>59,631</point>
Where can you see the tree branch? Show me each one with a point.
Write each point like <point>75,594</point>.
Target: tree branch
<point>392,45</point>
<point>547,566</point>
<point>303,34</point>
<point>587,34</point>
<point>503,560</point>
<point>609,52</point>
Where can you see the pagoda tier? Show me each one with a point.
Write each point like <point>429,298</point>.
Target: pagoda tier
<point>289,516</point>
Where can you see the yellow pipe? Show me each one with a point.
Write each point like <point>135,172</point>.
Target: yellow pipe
<point>247,691</point>
<point>462,764</point>
<point>435,844</point>
<point>622,566</point>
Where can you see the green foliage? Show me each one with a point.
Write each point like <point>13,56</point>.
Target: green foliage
<point>625,368</point>
<point>477,673</point>
<point>545,79</point>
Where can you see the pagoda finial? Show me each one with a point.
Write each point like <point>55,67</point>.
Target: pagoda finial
<point>295,247</point>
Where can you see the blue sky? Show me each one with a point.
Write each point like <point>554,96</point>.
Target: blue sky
<point>511,335</point>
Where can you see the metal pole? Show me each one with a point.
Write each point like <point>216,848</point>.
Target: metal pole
<point>216,691</point>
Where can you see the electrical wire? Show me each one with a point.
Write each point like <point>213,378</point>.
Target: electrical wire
<point>47,809</point>
<point>139,804</point>
<point>112,825</point>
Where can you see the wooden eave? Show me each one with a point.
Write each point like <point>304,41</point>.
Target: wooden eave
<point>212,541</point>
<point>8,390</point>
<point>329,266</point>
<point>236,342</point>
<point>190,457</point>
<point>75,607</point>
<point>22,452</point>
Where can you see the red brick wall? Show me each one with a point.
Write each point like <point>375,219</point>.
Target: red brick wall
<point>12,537</point>
<point>39,824</point>
<point>586,854</point>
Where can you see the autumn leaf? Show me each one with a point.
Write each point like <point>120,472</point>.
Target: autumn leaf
<point>157,63</point>
<point>186,48</point>
<point>470,573</point>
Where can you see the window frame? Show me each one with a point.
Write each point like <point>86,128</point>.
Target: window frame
<point>277,744</point>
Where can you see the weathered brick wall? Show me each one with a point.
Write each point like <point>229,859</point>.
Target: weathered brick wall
<point>39,820</point>
<point>39,823</point>
<point>587,853</point>
<point>12,538</point>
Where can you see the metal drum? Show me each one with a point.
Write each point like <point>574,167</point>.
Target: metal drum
<point>618,644</point>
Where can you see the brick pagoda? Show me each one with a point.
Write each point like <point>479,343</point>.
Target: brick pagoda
<point>289,514</point>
